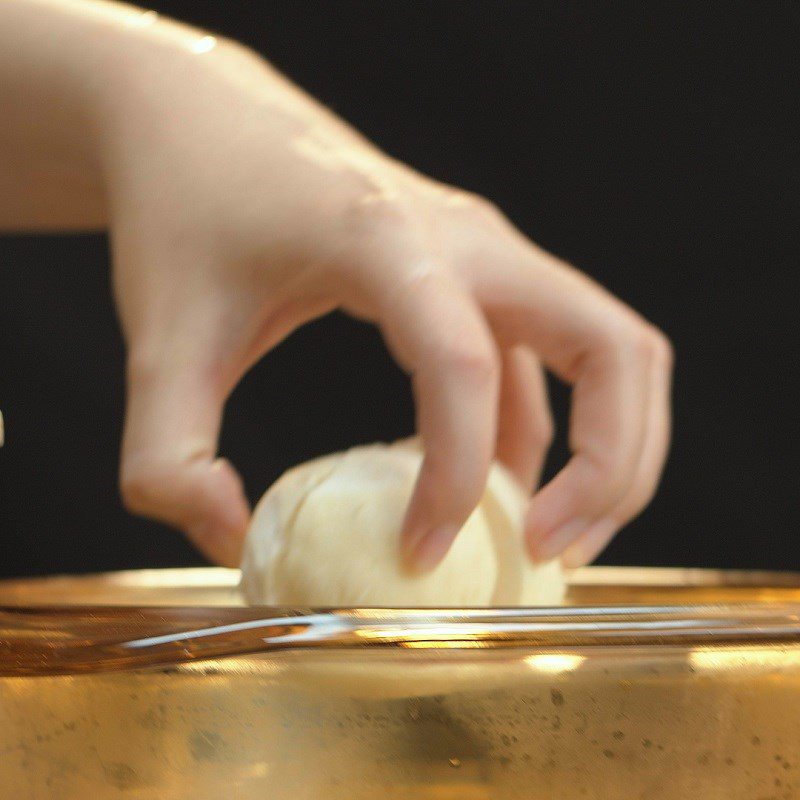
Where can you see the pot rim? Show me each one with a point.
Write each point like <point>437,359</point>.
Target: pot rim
<point>43,635</point>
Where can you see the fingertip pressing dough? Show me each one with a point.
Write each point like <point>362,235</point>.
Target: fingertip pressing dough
<point>327,533</point>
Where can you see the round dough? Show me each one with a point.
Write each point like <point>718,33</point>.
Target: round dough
<point>327,534</point>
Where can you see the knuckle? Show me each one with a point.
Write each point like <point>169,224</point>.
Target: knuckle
<point>369,212</point>
<point>489,210</point>
<point>477,207</point>
<point>476,362</point>
<point>649,344</point>
<point>143,484</point>
<point>639,341</point>
<point>663,350</point>
<point>611,475</point>
<point>474,202</point>
<point>136,491</point>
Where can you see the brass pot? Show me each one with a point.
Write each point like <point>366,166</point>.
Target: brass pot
<point>160,685</point>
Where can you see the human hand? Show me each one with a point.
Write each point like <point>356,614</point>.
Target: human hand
<point>240,209</point>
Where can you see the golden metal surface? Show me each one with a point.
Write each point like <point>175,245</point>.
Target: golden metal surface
<point>215,586</point>
<point>649,714</point>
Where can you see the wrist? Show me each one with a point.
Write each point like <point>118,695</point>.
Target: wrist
<point>157,76</point>
<point>70,68</point>
<point>84,85</point>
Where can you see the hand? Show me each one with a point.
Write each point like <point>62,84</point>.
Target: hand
<point>240,210</point>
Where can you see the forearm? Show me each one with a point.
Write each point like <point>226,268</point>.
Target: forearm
<point>63,66</point>
<point>79,78</point>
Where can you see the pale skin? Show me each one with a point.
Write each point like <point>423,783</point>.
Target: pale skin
<point>239,209</point>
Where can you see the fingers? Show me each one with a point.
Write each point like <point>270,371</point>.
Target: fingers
<point>525,423</point>
<point>607,429</point>
<point>437,333</point>
<point>169,468</point>
<point>588,546</point>
<point>609,356</point>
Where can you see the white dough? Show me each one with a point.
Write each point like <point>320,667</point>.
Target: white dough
<point>327,534</point>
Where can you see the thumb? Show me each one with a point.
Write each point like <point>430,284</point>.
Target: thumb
<point>169,468</point>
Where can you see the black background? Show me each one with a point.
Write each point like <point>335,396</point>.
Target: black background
<point>653,148</point>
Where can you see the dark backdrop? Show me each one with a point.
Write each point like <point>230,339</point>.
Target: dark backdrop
<point>652,148</point>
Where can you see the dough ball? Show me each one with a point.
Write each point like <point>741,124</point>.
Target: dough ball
<point>327,533</point>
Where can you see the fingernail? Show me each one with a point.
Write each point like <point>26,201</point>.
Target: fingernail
<point>589,546</point>
<point>431,548</point>
<point>575,556</point>
<point>205,535</point>
<point>554,543</point>
<point>215,543</point>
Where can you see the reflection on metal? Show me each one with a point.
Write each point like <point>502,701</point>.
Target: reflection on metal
<point>683,690</point>
<point>554,662</point>
<point>744,659</point>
